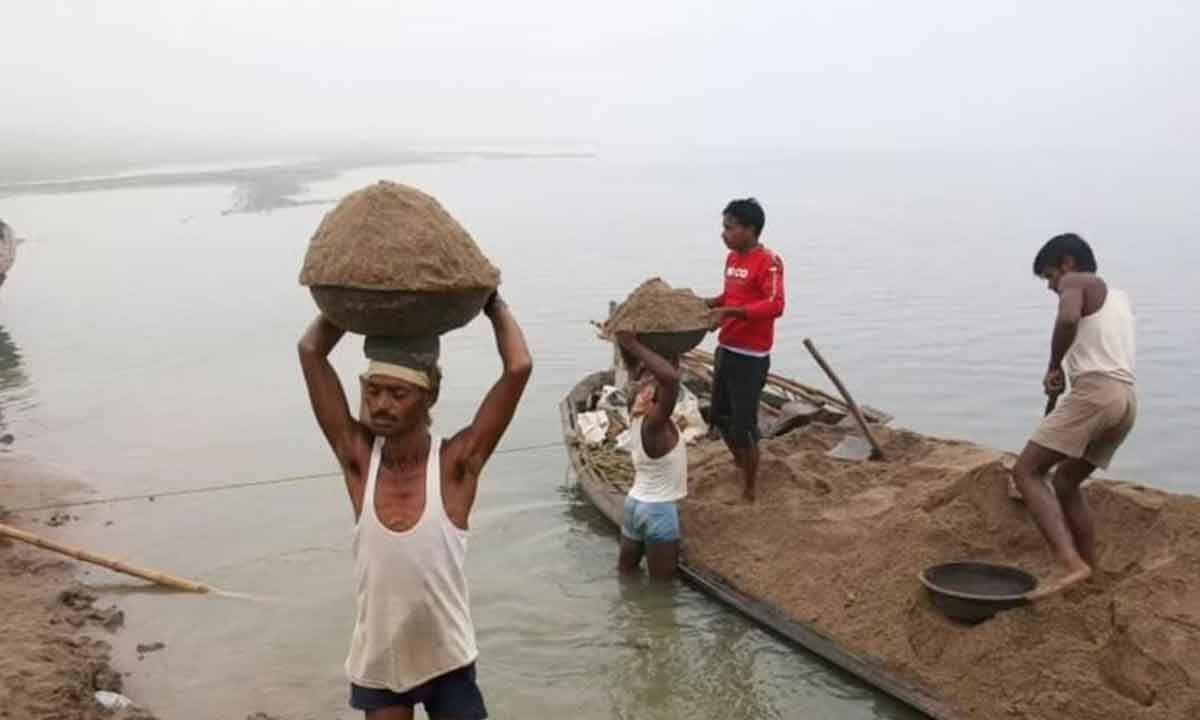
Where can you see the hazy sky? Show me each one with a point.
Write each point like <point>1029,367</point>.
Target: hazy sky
<point>843,73</point>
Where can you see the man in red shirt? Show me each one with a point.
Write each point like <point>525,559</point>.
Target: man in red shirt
<point>745,312</point>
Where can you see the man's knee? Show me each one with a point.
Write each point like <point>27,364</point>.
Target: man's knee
<point>1029,476</point>
<point>1025,467</point>
<point>1070,475</point>
<point>1034,462</point>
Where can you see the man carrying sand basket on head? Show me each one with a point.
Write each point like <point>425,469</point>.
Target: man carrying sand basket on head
<point>412,492</point>
<point>1093,348</point>
<point>745,312</point>
<point>650,525</point>
<point>652,328</point>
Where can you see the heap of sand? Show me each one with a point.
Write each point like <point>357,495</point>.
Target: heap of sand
<point>839,544</point>
<point>657,307</point>
<point>389,236</point>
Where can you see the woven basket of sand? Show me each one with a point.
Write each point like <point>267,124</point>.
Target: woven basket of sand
<point>669,321</point>
<point>389,260</point>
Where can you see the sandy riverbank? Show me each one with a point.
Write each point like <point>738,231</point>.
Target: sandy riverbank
<point>54,654</point>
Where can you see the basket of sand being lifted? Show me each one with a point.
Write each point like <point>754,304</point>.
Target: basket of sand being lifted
<point>668,321</point>
<point>389,260</point>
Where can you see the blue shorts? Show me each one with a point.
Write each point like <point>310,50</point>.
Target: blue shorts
<point>453,695</point>
<point>650,522</point>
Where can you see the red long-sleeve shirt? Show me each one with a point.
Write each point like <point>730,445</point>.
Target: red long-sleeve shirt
<point>753,282</point>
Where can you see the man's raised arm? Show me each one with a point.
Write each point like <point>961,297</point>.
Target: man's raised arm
<point>480,438</point>
<point>325,390</point>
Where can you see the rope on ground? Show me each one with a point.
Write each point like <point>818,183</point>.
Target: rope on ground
<point>233,486</point>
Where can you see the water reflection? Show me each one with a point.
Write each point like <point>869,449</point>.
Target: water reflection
<point>643,616</point>
<point>681,654</point>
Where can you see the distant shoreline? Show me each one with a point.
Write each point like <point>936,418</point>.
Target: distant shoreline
<point>266,187</point>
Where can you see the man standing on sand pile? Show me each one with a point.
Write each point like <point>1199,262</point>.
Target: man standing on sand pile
<point>1093,348</point>
<point>745,313</point>
<point>412,493</point>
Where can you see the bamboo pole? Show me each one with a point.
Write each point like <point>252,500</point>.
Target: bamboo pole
<point>877,452</point>
<point>110,563</point>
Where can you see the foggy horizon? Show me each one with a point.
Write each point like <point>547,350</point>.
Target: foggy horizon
<point>127,83</point>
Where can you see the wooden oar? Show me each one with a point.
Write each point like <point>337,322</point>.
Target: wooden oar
<point>121,567</point>
<point>877,451</point>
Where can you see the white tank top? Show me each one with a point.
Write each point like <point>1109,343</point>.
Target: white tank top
<point>661,479</point>
<point>414,620</point>
<point>1104,342</point>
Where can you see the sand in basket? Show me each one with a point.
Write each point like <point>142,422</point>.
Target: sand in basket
<point>389,260</point>
<point>670,321</point>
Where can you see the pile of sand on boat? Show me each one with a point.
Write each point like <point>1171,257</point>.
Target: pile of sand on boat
<point>839,544</point>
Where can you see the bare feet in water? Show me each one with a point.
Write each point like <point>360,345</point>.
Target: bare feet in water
<point>1060,581</point>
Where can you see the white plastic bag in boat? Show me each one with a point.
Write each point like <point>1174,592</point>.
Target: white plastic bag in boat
<point>111,700</point>
<point>592,426</point>
<point>613,399</point>
<point>623,441</point>
<point>687,416</point>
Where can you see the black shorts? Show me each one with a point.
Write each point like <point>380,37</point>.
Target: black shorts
<point>738,382</point>
<point>453,695</point>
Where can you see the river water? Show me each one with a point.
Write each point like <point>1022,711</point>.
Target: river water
<point>147,347</point>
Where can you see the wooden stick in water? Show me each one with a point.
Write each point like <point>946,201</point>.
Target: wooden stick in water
<point>110,563</point>
<point>877,452</point>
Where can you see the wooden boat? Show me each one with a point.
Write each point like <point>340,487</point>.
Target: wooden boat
<point>777,414</point>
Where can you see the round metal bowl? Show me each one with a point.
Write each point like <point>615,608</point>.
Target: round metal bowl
<point>399,313</point>
<point>971,592</point>
<point>672,344</point>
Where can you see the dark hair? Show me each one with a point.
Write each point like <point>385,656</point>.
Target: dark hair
<point>747,212</point>
<point>1060,246</point>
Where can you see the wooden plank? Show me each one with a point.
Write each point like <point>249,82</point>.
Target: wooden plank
<point>806,392</point>
<point>609,500</point>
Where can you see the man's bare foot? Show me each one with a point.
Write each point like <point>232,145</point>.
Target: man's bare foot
<point>748,495</point>
<point>1060,581</point>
